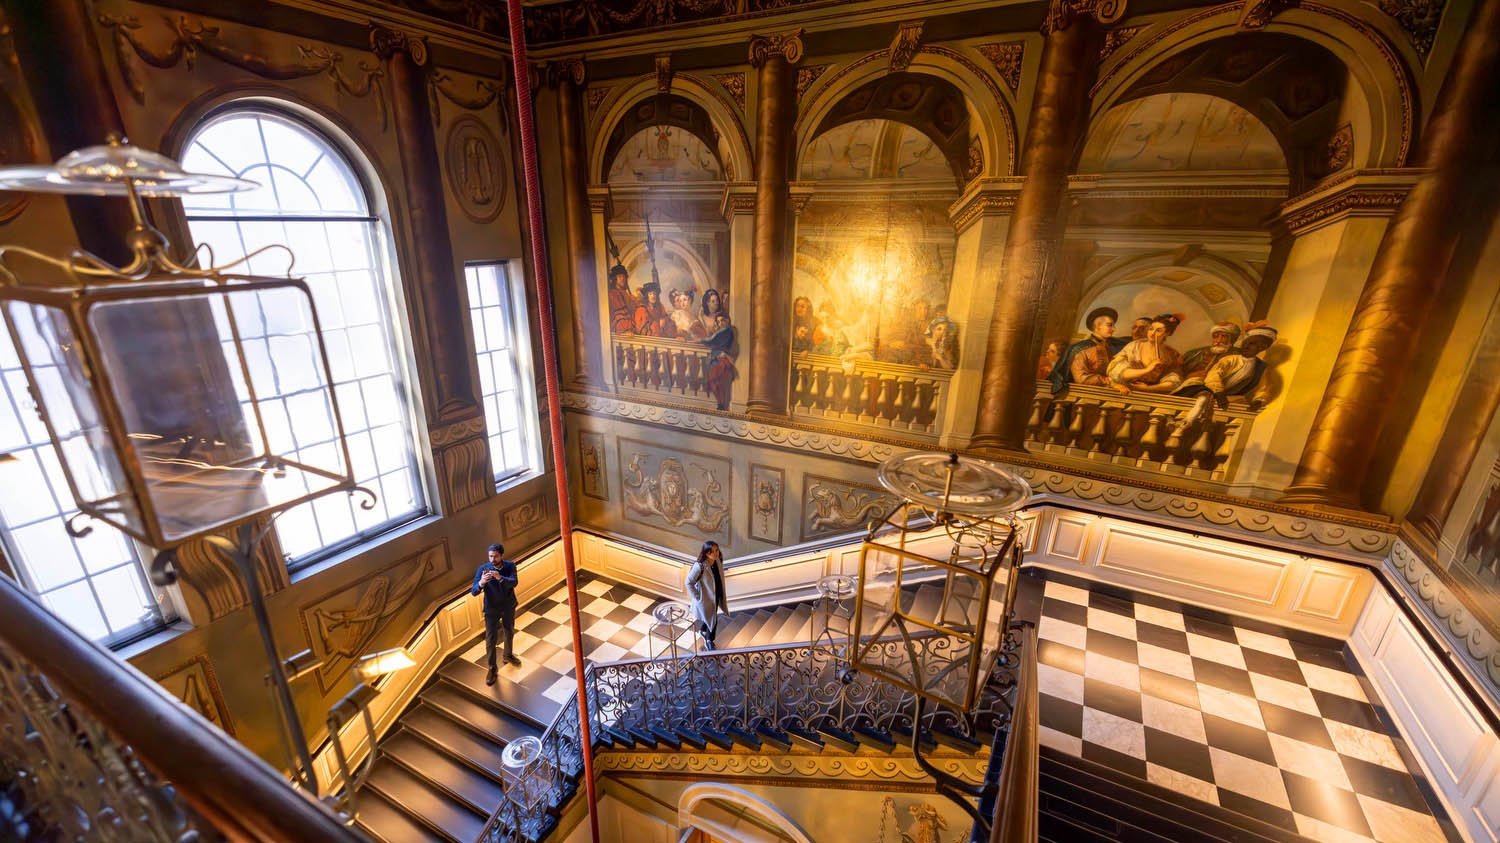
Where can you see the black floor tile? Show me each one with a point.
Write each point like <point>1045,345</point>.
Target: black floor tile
<point>1238,739</point>
<point>1179,753</point>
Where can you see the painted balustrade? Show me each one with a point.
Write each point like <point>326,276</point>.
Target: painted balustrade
<point>1144,431</point>
<point>650,364</point>
<point>868,393</point>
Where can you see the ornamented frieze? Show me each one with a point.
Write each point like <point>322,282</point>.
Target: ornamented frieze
<point>1420,19</point>
<point>1006,58</point>
<point>1468,636</point>
<point>905,45</point>
<point>1114,38</point>
<point>523,516</point>
<point>823,769</point>
<point>734,83</point>
<point>676,490</point>
<point>832,507</point>
<point>806,76</point>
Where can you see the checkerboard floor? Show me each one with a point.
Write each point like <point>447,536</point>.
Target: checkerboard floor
<point>615,620</point>
<point>1269,726</point>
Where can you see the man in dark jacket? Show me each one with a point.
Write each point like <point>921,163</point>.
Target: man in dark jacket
<point>496,577</point>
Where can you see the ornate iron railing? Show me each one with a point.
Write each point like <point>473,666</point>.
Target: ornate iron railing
<point>870,394</point>
<point>96,751</point>
<point>1158,433</point>
<point>519,819</point>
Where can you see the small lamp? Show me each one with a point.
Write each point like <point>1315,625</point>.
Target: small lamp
<point>367,669</point>
<point>372,667</point>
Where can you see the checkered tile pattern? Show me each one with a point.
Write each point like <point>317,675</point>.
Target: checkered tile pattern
<point>615,621</point>
<point>1262,724</point>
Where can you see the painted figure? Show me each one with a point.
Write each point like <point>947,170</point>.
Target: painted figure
<point>1050,355</point>
<point>684,321</point>
<point>705,585</point>
<point>622,302</point>
<point>1483,544</point>
<point>496,579</point>
<point>721,352</point>
<point>713,307</point>
<point>829,337</point>
<point>942,344</point>
<point>1237,373</point>
<point>1149,365</point>
<point>1197,362</point>
<point>804,324</point>
<point>1087,361</point>
<point>651,318</point>
<point>1140,328</point>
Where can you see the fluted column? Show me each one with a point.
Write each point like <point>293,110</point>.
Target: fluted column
<point>1059,117</point>
<point>587,358</point>
<point>454,415</point>
<point>1410,267</point>
<point>770,280</point>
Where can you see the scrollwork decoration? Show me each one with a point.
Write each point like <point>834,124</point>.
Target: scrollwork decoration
<point>441,87</point>
<point>192,38</point>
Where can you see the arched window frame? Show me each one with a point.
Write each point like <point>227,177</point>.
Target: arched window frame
<point>385,453</point>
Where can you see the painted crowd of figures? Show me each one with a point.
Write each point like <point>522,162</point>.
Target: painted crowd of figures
<point>1230,365</point>
<point>643,314</point>
<point>924,336</point>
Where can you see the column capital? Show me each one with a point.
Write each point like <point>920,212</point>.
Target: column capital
<point>906,44</point>
<point>738,199</point>
<point>787,45</point>
<point>982,198</point>
<point>664,73</point>
<point>385,43</point>
<point>600,199</point>
<point>800,193</point>
<point>571,69</point>
<point>1062,13</point>
<point>1362,193</point>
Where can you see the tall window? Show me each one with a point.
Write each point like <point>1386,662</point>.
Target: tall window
<point>498,310</point>
<point>95,583</point>
<point>311,199</point>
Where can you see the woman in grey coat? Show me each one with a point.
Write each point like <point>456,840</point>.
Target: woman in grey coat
<point>705,585</point>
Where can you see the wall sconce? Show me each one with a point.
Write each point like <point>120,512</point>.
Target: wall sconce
<point>197,464</point>
<point>366,670</point>
<point>7,457</point>
<point>942,651</point>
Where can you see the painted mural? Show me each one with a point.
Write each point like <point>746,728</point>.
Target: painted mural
<point>683,492</point>
<point>1476,558</point>
<point>665,154</point>
<point>1179,131</point>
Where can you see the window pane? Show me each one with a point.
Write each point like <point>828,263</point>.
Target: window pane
<point>504,351</point>
<point>319,209</point>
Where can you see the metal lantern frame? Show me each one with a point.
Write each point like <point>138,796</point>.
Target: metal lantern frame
<point>77,302</point>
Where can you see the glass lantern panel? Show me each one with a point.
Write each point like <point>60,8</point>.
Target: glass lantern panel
<point>65,397</point>
<point>209,452</point>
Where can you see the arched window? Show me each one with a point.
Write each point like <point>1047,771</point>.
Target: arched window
<point>312,199</point>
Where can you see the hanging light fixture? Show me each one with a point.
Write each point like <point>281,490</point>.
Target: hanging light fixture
<point>182,453</point>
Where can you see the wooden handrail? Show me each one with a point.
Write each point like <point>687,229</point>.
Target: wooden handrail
<point>1018,801</point>
<point>237,793</point>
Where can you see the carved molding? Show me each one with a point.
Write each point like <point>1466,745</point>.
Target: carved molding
<point>440,87</point>
<point>1255,14</point>
<point>195,684</point>
<point>806,76</point>
<point>664,74</point>
<point>985,201</point>
<point>464,474</point>
<point>596,96</point>
<point>474,168</point>
<point>823,769</point>
<point>190,39</point>
<point>1344,203</point>
<point>571,69</point>
<point>831,506</point>
<point>905,45</point>
<point>209,576</point>
<point>593,469</point>
<point>767,493</point>
<point>788,45</point>
<point>523,516</point>
<point>448,434</point>
<point>734,83</point>
<point>386,42</point>
<point>1006,58</point>
<point>1114,39</point>
<point>340,626</point>
<point>683,490</point>
<point>1467,634</point>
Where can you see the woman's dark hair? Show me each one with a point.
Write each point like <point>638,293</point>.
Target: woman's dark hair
<point>703,551</point>
<point>718,302</point>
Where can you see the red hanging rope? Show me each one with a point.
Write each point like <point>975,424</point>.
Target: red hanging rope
<point>546,317</point>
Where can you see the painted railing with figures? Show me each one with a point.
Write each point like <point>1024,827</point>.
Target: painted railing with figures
<point>669,367</point>
<point>888,396</point>
<point>1169,434</point>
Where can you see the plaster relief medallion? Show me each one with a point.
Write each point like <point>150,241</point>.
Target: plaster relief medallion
<point>474,169</point>
<point>831,507</point>
<point>591,465</point>
<point>767,486</point>
<point>16,147</point>
<point>195,684</point>
<point>523,516</point>
<point>683,490</point>
<point>341,626</point>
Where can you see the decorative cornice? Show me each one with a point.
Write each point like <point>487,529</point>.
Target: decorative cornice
<point>984,197</point>
<point>1354,201</point>
<point>1348,536</point>
<point>1474,643</point>
<point>1006,57</point>
<point>827,768</point>
<point>571,69</point>
<point>905,45</point>
<point>1114,39</point>
<point>738,198</point>
<point>787,45</point>
<point>1419,18</point>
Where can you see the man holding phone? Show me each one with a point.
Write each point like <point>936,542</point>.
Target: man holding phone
<point>496,577</point>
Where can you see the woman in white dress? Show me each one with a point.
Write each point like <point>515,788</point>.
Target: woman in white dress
<point>1149,365</point>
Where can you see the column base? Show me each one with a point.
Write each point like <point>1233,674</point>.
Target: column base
<point>1319,497</point>
<point>755,407</point>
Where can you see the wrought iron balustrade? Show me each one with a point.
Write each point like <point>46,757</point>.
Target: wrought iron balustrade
<point>96,751</point>
<point>868,393</point>
<point>657,365</point>
<point>1146,431</point>
<point>561,764</point>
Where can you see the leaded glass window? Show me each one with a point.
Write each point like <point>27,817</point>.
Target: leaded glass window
<point>503,343</point>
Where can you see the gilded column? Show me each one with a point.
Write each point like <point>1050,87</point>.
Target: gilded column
<point>455,417</point>
<point>1408,271</point>
<point>64,69</point>
<point>770,279</point>
<point>587,360</point>
<point>1059,117</point>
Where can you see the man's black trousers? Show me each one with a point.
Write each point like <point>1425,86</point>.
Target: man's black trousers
<point>494,623</point>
